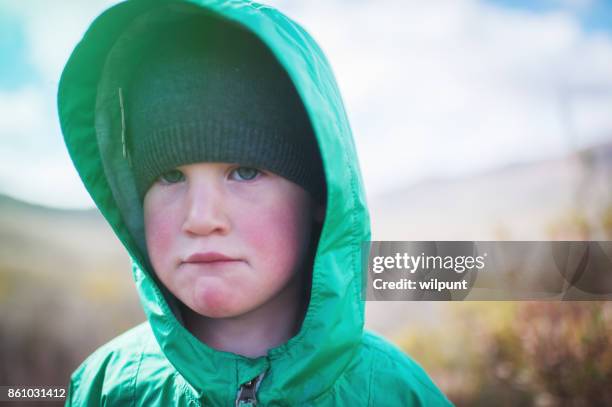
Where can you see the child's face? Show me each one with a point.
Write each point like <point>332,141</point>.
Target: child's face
<point>259,220</point>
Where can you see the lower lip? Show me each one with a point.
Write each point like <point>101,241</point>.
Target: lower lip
<point>214,263</point>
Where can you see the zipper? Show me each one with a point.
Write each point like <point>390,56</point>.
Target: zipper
<point>247,393</point>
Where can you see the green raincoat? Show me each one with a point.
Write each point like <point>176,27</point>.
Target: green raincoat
<point>331,361</point>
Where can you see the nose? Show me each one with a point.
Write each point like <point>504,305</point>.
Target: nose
<point>206,212</point>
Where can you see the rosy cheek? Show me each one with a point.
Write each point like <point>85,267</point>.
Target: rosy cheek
<point>159,240</point>
<point>273,238</point>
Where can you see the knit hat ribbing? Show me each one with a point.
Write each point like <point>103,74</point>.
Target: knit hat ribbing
<point>214,93</point>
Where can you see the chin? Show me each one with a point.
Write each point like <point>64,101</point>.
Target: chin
<point>217,305</point>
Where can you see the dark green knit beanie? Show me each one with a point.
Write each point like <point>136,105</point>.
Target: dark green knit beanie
<point>209,91</point>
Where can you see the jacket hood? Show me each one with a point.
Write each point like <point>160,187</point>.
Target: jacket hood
<point>91,118</point>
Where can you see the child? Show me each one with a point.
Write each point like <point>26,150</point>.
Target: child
<point>212,137</point>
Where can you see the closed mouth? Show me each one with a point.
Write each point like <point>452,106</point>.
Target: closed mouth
<point>209,258</point>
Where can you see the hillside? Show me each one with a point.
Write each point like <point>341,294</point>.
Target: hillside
<point>65,289</point>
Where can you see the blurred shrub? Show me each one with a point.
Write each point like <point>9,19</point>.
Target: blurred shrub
<point>509,354</point>
<point>51,321</point>
<point>606,221</point>
<point>572,225</point>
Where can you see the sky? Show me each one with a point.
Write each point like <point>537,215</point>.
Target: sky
<point>433,89</point>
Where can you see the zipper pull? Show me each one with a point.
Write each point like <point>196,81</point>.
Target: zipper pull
<point>247,393</point>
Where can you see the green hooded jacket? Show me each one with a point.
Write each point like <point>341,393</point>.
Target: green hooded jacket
<point>332,360</point>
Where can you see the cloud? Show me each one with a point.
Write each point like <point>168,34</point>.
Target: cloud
<point>432,88</point>
<point>21,114</point>
<point>52,32</point>
<point>452,87</point>
<point>43,179</point>
<point>35,165</point>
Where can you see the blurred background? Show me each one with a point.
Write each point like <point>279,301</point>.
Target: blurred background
<point>474,120</point>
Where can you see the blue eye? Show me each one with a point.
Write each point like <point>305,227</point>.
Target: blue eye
<point>172,176</point>
<point>246,173</point>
